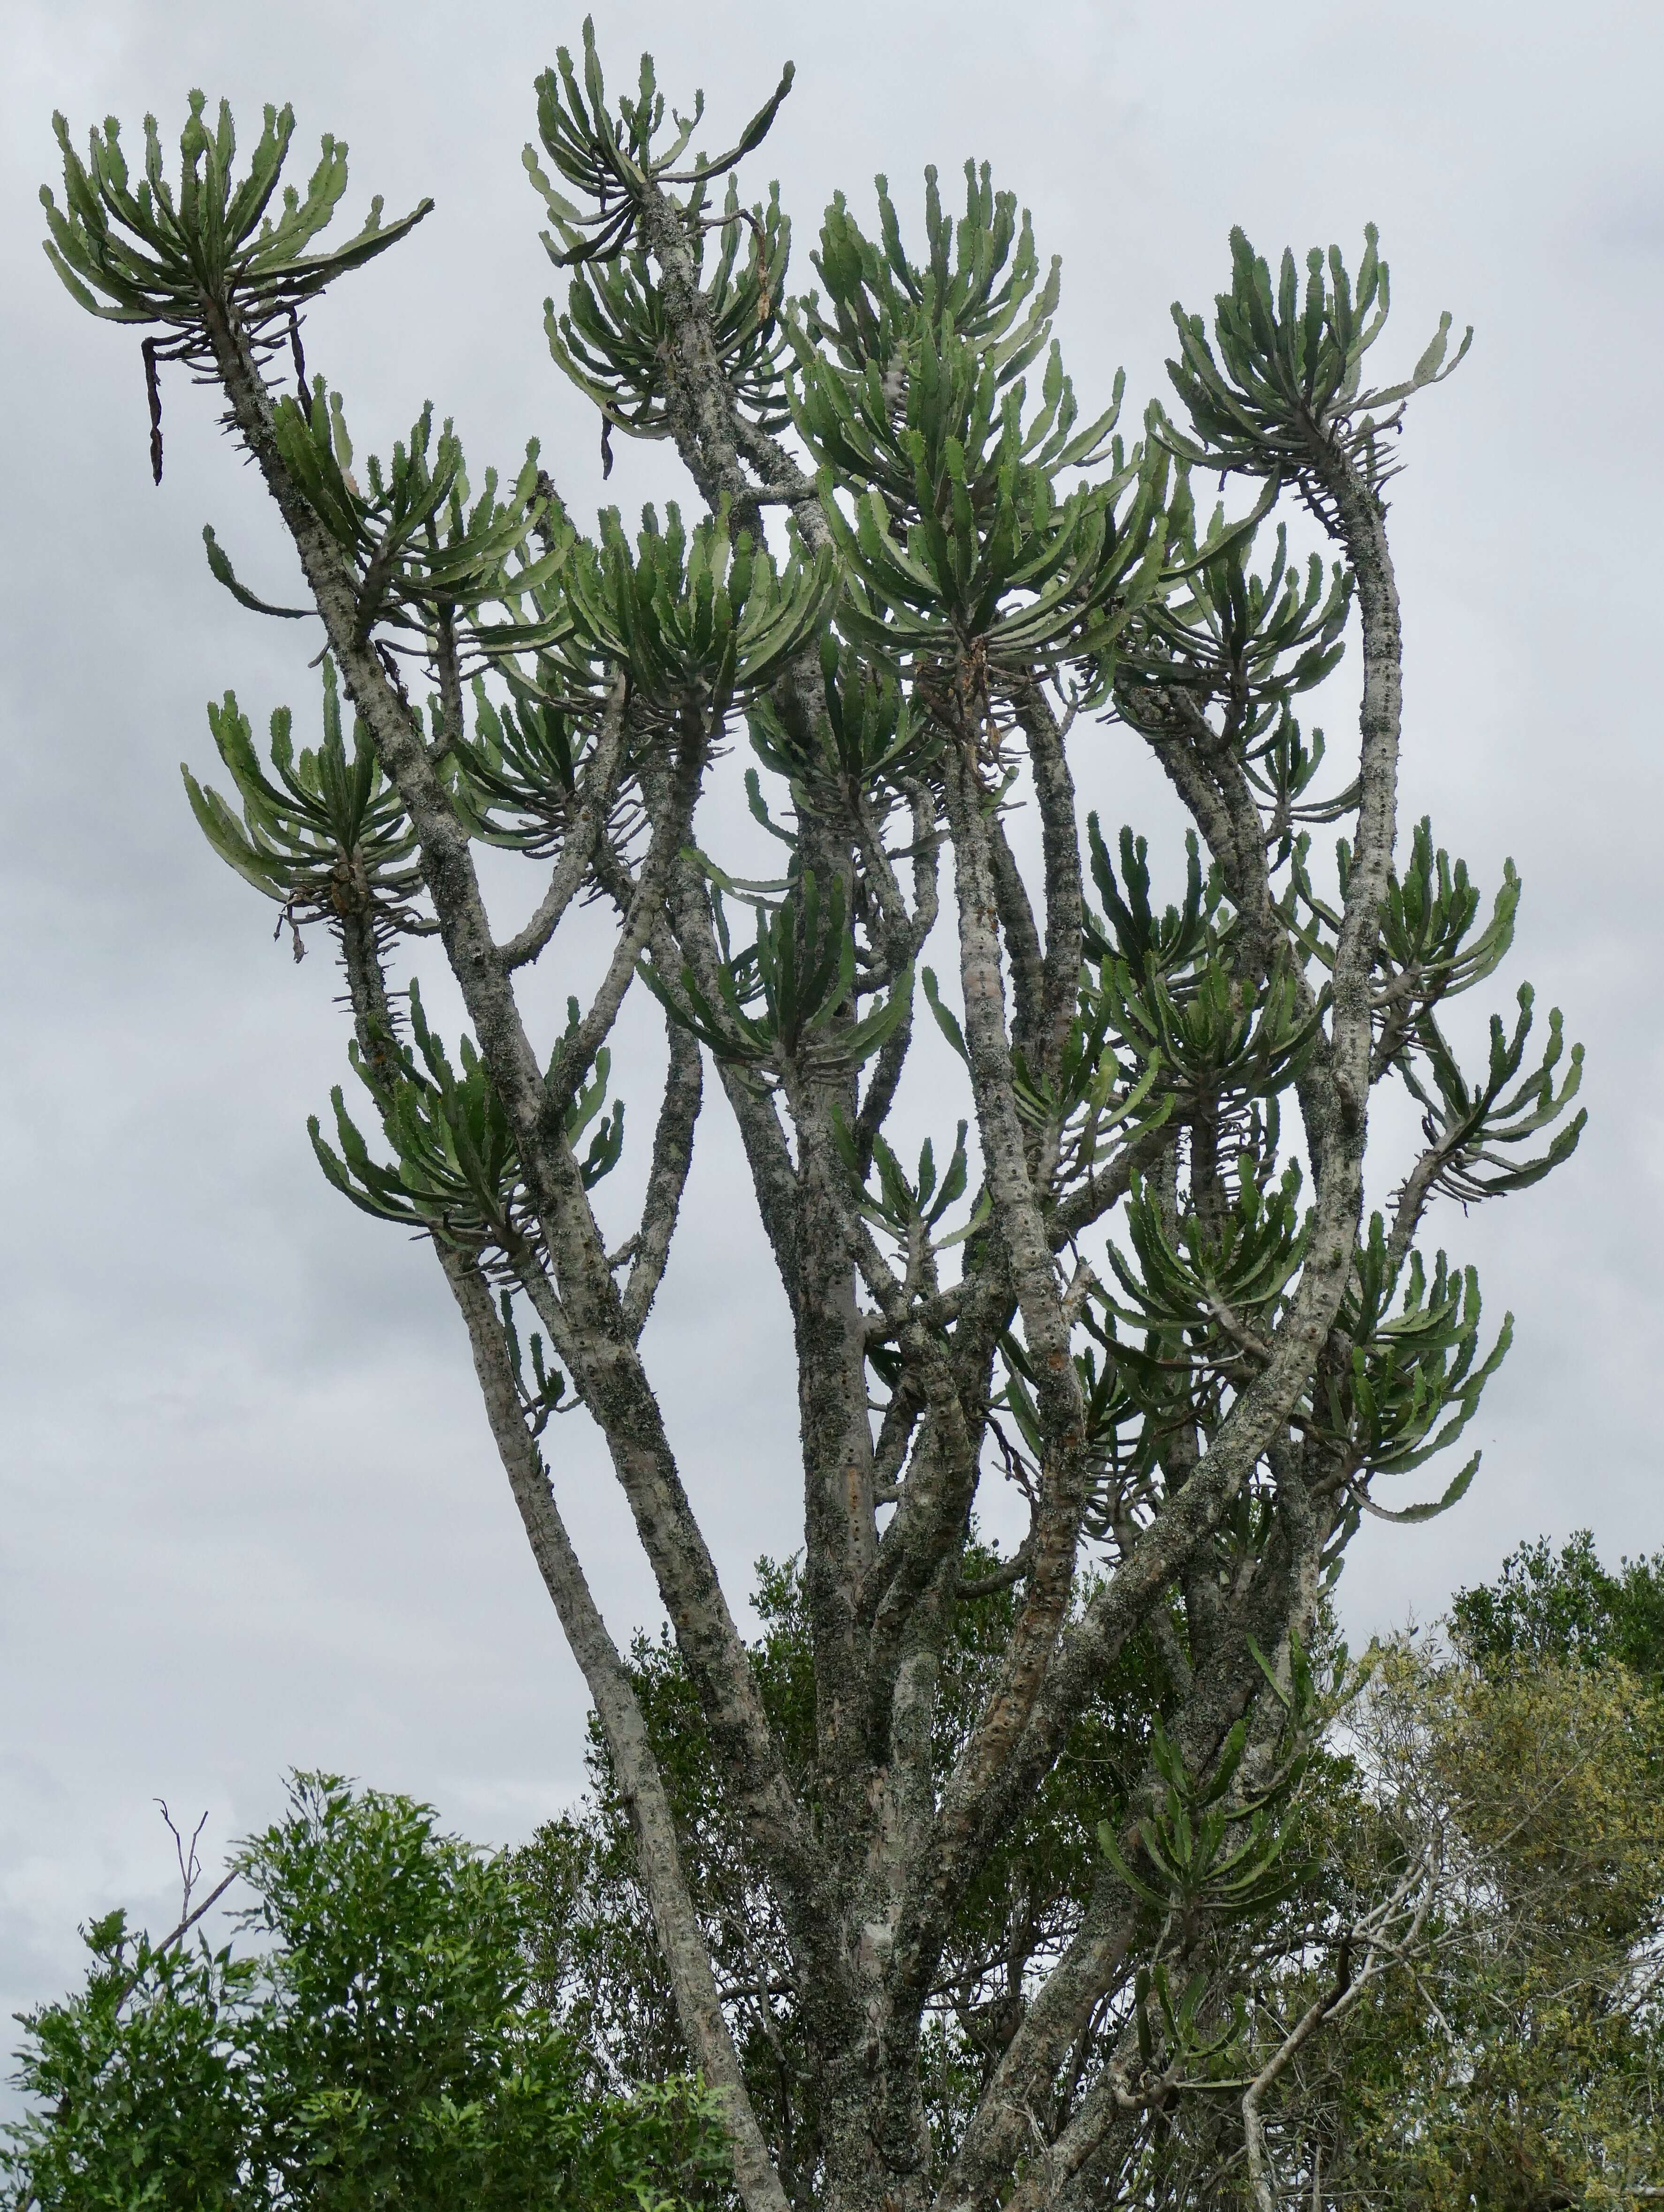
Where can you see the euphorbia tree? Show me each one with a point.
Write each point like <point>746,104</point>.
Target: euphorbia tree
<point>1138,1282</point>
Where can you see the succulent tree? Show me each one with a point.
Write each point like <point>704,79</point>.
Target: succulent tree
<point>1138,1282</point>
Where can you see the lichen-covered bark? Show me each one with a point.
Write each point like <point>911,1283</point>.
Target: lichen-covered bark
<point>1097,1089</point>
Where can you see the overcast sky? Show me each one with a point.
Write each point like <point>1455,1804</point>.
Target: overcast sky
<point>252,1518</point>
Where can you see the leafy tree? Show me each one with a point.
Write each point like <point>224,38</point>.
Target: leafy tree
<point>1563,1609</point>
<point>381,2050</point>
<point>1137,1282</point>
<point>1512,2055</point>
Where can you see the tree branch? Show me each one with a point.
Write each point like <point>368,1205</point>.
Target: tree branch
<point>642,1785</point>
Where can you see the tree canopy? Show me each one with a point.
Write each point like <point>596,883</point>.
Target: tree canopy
<point>378,2048</point>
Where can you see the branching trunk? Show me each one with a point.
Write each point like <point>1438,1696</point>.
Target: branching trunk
<point>1108,1290</point>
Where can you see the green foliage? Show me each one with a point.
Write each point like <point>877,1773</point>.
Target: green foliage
<point>1216,1289</point>
<point>1508,2055</point>
<point>1427,954</point>
<point>381,2048</point>
<point>614,341</point>
<point>989,557</point>
<point>421,551</point>
<point>518,770</point>
<point>329,836</point>
<point>972,283</point>
<point>604,160</point>
<point>1547,1609</point>
<point>912,1210</point>
<point>1229,1861</point>
<point>1413,1386</point>
<point>699,619</point>
<point>961,570</point>
<point>870,748</point>
<point>1226,632</point>
<point>1523,2066</point>
<point>613,338</point>
<point>149,2101</point>
<point>456,1172</point>
<point>155,252</point>
<point>1290,369</point>
<point>1513,2053</point>
<point>800,970</point>
<point>1471,1121</point>
<point>1209,1851</point>
<point>1429,914</point>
